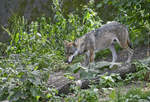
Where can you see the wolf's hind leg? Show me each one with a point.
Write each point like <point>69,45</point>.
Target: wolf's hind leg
<point>114,54</point>
<point>130,54</point>
<point>92,55</point>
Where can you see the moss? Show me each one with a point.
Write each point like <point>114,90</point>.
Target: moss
<point>22,7</point>
<point>31,2</point>
<point>35,13</point>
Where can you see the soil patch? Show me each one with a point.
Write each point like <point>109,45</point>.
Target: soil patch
<point>139,53</point>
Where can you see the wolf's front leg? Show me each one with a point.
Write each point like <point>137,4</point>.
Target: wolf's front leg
<point>114,55</point>
<point>87,58</point>
<point>72,56</point>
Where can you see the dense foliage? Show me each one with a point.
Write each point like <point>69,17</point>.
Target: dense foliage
<point>134,13</point>
<point>36,48</point>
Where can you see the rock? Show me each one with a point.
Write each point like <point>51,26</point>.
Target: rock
<point>60,82</point>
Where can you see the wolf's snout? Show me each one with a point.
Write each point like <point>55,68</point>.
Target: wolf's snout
<point>68,62</point>
<point>69,59</point>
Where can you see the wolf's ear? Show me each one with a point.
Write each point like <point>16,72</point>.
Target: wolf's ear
<point>74,44</point>
<point>66,42</point>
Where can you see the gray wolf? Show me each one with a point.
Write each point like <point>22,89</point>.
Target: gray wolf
<point>100,39</point>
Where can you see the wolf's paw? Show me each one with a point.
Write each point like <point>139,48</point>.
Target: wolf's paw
<point>111,66</point>
<point>70,59</point>
<point>115,65</point>
<point>84,64</point>
<point>92,65</point>
<point>127,62</point>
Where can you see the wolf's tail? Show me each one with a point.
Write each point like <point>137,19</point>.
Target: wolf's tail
<point>129,43</point>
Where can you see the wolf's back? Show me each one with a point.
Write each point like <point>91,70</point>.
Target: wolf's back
<point>119,30</point>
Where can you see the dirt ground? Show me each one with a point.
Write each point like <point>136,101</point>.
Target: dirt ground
<point>139,53</point>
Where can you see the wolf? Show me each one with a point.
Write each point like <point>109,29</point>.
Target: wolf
<point>102,38</point>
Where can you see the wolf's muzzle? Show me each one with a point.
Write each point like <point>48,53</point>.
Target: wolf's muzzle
<point>69,61</point>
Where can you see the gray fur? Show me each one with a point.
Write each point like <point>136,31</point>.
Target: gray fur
<point>103,38</point>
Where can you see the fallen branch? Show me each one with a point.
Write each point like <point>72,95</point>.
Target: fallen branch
<point>62,84</point>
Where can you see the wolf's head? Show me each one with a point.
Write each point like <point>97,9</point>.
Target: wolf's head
<point>70,49</point>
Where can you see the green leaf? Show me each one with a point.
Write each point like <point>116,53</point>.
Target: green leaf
<point>113,95</point>
<point>77,70</point>
<point>49,95</point>
<point>34,91</point>
<point>68,75</point>
<point>99,5</point>
<point>17,37</point>
<point>37,98</point>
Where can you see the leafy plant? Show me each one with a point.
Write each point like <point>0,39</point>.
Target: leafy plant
<point>133,95</point>
<point>109,80</point>
<point>141,69</point>
<point>89,95</point>
<point>135,14</point>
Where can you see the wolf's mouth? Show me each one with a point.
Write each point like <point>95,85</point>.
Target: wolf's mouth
<point>70,59</point>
